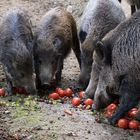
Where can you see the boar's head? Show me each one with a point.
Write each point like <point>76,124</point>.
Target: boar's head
<point>86,63</point>
<point>17,60</point>
<point>107,85</point>
<point>46,54</point>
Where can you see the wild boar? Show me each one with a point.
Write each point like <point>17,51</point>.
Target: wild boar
<point>120,50</point>
<point>135,5</point>
<point>16,41</point>
<point>98,19</point>
<point>101,83</point>
<point>55,35</point>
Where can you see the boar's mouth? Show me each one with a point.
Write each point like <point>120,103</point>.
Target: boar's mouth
<point>111,92</point>
<point>102,102</point>
<point>104,98</point>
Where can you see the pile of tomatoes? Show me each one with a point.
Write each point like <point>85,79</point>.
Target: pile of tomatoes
<point>75,101</point>
<point>129,119</point>
<point>14,90</point>
<point>127,122</point>
<point>60,93</point>
<point>19,90</point>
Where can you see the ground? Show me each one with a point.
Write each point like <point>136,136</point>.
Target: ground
<point>24,118</point>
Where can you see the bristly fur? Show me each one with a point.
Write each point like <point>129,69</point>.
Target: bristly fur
<point>99,17</point>
<point>13,29</point>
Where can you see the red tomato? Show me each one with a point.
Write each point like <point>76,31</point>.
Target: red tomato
<point>57,89</point>
<point>134,109</point>
<point>108,113</point>
<point>132,113</point>
<point>15,90</point>
<point>21,90</point>
<point>134,124</point>
<point>81,94</point>
<point>111,107</point>
<point>2,92</point>
<point>123,123</point>
<point>76,101</point>
<point>68,92</point>
<point>60,91</point>
<point>88,102</point>
<point>54,96</point>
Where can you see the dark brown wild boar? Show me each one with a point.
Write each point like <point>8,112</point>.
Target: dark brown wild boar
<point>55,35</point>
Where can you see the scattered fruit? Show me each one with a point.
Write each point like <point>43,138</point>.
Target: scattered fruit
<point>19,90</point>
<point>60,91</point>
<point>108,113</point>
<point>134,124</point>
<point>15,90</point>
<point>22,90</point>
<point>76,101</point>
<point>81,94</point>
<point>54,96</point>
<point>112,107</point>
<point>68,92</point>
<point>88,102</point>
<point>57,89</point>
<point>134,109</point>
<point>2,92</point>
<point>123,123</point>
<point>132,113</point>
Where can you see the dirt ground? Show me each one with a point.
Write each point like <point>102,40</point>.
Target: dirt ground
<point>42,121</point>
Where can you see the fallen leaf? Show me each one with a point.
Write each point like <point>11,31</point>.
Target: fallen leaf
<point>68,112</point>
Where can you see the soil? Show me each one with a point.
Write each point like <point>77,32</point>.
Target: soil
<point>24,118</point>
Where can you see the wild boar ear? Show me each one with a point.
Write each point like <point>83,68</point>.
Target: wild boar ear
<point>104,52</point>
<point>99,49</point>
<point>57,43</point>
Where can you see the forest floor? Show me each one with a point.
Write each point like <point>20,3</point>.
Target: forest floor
<point>24,118</point>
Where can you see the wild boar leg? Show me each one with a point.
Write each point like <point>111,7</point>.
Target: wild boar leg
<point>128,101</point>
<point>76,46</point>
<point>9,83</point>
<point>9,87</point>
<point>90,91</point>
<point>59,71</point>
